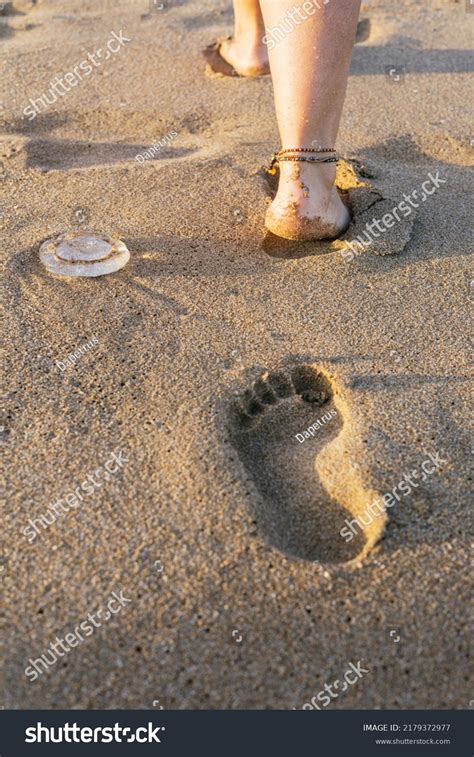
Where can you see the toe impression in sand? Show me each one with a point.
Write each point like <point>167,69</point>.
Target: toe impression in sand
<point>83,254</point>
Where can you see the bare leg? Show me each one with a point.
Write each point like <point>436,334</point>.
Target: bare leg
<point>309,66</point>
<point>245,51</point>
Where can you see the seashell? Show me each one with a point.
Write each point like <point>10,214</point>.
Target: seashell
<point>83,254</point>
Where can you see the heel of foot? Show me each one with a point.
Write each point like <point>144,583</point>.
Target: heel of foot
<point>290,224</point>
<point>224,60</point>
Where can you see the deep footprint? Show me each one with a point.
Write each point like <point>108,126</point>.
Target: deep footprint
<point>306,489</point>
<point>365,202</point>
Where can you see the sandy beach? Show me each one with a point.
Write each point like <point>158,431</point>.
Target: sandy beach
<point>204,358</point>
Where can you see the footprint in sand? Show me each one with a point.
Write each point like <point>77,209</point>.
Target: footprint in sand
<point>305,490</point>
<point>64,154</point>
<point>68,155</point>
<point>14,9</point>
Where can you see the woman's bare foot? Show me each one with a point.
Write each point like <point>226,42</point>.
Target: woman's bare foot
<point>247,56</point>
<point>307,205</point>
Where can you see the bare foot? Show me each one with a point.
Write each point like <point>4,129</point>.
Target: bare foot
<point>247,57</point>
<point>307,205</point>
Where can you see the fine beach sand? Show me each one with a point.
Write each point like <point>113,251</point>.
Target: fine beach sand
<point>222,528</point>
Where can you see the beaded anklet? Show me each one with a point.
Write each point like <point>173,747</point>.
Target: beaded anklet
<point>288,156</point>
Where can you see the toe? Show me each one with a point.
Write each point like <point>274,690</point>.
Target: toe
<point>311,385</point>
<point>251,403</point>
<point>281,384</point>
<point>264,391</point>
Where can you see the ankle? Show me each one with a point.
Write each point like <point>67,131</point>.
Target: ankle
<point>306,178</point>
<point>250,36</point>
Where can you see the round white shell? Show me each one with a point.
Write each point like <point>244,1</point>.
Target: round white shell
<point>83,254</point>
